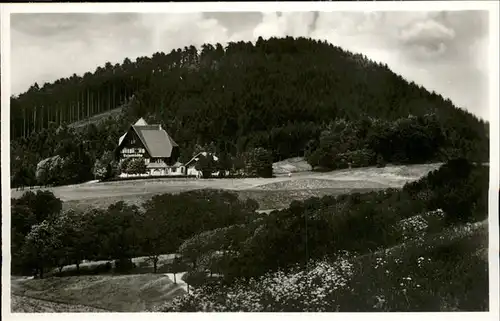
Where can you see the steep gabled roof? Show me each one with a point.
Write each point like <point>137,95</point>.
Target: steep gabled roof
<point>141,122</point>
<point>120,140</point>
<point>154,138</point>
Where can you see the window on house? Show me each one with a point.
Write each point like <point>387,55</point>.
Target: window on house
<point>132,141</point>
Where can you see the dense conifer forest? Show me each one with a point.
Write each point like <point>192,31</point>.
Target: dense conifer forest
<point>289,96</point>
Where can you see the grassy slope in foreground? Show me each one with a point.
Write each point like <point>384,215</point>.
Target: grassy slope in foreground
<point>124,293</point>
<point>23,304</point>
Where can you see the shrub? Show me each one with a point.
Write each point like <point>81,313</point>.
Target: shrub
<point>195,278</point>
<point>357,158</point>
<point>435,220</point>
<point>124,265</point>
<point>259,162</point>
<point>426,277</point>
<point>413,226</point>
<point>136,166</point>
<point>317,289</point>
<point>105,167</point>
<point>380,161</point>
<point>48,171</point>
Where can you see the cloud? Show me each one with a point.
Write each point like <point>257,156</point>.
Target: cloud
<point>443,51</point>
<point>294,24</point>
<point>429,37</point>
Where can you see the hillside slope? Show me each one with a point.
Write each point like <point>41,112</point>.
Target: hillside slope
<point>98,118</point>
<point>23,304</point>
<point>124,293</point>
<point>270,193</point>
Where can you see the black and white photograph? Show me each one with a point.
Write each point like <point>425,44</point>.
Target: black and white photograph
<point>250,161</point>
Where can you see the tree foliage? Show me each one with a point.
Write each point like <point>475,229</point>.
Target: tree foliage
<point>359,223</point>
<point>135,166</point>
<point>40,245</point>
<point>259,162</point>
<point>105,167</point>
<point>207,165</point>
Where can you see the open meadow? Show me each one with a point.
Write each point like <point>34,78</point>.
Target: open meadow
<point>270,193</point>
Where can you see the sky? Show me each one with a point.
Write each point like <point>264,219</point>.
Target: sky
<point>446,52</point>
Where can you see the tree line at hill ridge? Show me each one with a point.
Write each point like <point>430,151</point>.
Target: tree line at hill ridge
<point>292,97</point>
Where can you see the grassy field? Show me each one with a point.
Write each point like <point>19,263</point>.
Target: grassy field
<point>124,293</point>
<point>23,304</point>
<point>276,192</point>
<point>143,266</point>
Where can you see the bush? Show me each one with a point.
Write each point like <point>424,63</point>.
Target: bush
<point>176,266</point>
<point>122,166</point>
<point>105,167</point>
<point>103,268</point>
<point>259,162</point>
<point>136,166</point>
<point>357,158</point>
<point>320,288</point>
<point>195,278</point>
<point>427,277</point>
<point>435,220</point>
<point>380,161</point>
<point>124,265</point>
<point>48,171</point>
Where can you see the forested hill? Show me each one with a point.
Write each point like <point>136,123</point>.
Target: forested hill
<point>293,97</point>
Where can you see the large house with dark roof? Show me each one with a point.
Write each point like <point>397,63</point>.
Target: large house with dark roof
<point>152,143</point>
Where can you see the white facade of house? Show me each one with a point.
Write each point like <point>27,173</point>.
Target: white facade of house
<point>124,175</point>
<point>192,171</point>
<point>191,166</point>
<point>153,144</point>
